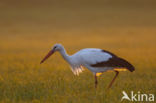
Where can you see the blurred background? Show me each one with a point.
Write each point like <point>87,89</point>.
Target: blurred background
<point>33,22</point>
<point>72,19</point>
<point>29,28</point>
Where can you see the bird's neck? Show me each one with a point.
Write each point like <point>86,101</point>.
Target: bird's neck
<point>65,55</point>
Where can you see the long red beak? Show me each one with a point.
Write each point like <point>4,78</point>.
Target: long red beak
<point>47,56</point>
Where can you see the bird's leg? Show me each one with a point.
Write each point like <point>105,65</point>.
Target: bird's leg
<point>96,82</point>
<point>113,79</point>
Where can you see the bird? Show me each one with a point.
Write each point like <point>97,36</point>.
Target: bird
<point>95,60</point>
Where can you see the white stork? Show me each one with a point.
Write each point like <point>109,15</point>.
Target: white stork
<point>96,60</point>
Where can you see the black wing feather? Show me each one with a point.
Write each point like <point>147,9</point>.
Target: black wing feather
<point>115,62</point>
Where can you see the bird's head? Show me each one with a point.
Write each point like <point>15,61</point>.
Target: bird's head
<point>56,47</point>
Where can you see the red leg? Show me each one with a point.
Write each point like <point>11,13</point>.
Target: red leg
<point>96,82</point>
<point>113,79</point>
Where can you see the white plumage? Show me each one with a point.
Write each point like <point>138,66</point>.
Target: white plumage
<point>86,57</point>
<point>96,60</point>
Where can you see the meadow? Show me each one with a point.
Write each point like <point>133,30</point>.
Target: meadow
<point>28,30</point>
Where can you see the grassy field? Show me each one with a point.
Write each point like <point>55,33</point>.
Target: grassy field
<point>29,29</point>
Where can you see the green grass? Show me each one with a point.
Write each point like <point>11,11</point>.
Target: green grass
<point>27,34</point>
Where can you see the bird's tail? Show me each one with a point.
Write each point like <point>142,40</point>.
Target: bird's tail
<point>126,64</point>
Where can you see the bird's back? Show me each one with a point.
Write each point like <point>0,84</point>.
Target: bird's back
<point>91,56</point>
<point>98,58</point>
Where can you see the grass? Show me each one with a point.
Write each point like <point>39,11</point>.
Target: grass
<point>26,35</point>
